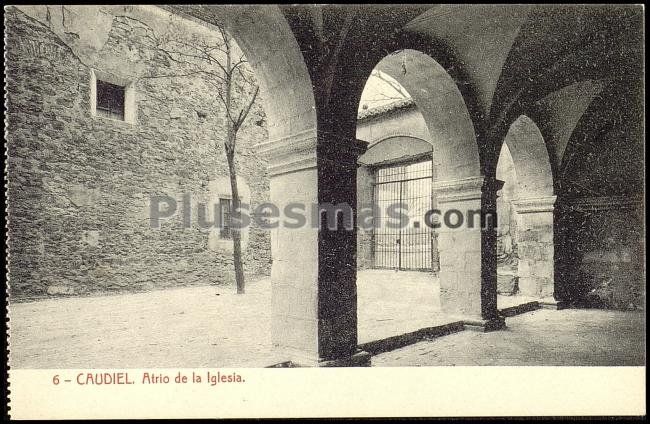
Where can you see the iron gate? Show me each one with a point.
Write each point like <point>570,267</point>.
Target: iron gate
<point>410,246</point>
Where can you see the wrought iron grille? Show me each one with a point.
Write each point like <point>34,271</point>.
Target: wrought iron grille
<point>410,246</point>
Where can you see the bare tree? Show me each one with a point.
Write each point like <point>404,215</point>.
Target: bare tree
<point>216,60</point>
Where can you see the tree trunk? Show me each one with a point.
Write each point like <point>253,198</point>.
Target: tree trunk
<point>236,216</point>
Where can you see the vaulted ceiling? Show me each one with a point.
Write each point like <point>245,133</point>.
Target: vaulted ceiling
<point>576,70</point>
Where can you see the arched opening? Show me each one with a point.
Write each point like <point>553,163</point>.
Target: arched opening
<point>422,154</point>
<point>467,286</point>
<point>394,264</point>
<point>525,264</point>
<point>443,109</point>
<point>297,320</point>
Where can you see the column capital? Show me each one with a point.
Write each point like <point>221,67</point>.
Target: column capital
<point>343,150</point>
<point>471,188</point>
<point>305,149</point>
<point>291,153</point>
<point>535,204</point>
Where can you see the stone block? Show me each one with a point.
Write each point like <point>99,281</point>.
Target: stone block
<point>527,235</point>
<point>506,284</point>
<point>528,286</point>
<point>449,280</point>
<point>546,287</point>
<point>532,251</point>
<point>472,263</point>
<point>57,290</point>
<point>297,337</point>
<point>546,236</point>
<point>485,326</point>
<point>90,238</point>
<point>523,267</point>
<point>543,269</point>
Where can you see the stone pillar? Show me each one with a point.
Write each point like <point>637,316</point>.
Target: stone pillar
<point>313,300</point>
<point>337,259</point>
<point>294,270</point>
<point>536,247</point>
<point>468,252</point>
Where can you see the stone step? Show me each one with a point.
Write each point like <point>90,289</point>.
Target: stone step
<point>395,342</point>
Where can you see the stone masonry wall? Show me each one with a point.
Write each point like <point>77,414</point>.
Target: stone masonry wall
<point>600,252</point>
<point>79,186</point>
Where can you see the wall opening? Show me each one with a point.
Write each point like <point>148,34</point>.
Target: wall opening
<point>525,207</point>
<point>397,257</point>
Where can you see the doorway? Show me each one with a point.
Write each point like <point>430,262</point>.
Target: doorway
<point>409,245</point>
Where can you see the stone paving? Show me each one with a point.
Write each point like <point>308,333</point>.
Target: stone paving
<point>211,326</point>
<point>187,327</point>
<point>392,303</point>
<point>569,337</point>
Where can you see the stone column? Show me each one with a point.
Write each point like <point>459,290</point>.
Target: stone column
<point>468,252</point>
<point>313,300</point>
<point>337,259</point>
<point>536,247</point>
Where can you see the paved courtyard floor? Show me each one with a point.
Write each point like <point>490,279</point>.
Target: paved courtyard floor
<point>569,337</point>
<point>192,327</point>
<point>211,326</point>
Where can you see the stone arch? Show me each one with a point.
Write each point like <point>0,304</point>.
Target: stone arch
<point>443,107</point>
<point>526,145</point>
<point>394,148</point>
<point>533,206</point>
<point>270,46</point>
<point>394,134</point>
<point>466,254</point>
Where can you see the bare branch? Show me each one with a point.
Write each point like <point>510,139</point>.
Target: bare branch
<point>238,63</point>
<point>246,79</point>
<point>244,113</point>
<point>189,74</point>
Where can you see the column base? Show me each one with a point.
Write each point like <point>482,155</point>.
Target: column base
<point>358,359</point>
<point>485,325</point>
<point>551,303</point>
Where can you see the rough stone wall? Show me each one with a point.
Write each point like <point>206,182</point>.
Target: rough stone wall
<point>79,186</point>
<point>535,268</point>
<point>600,247</point>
